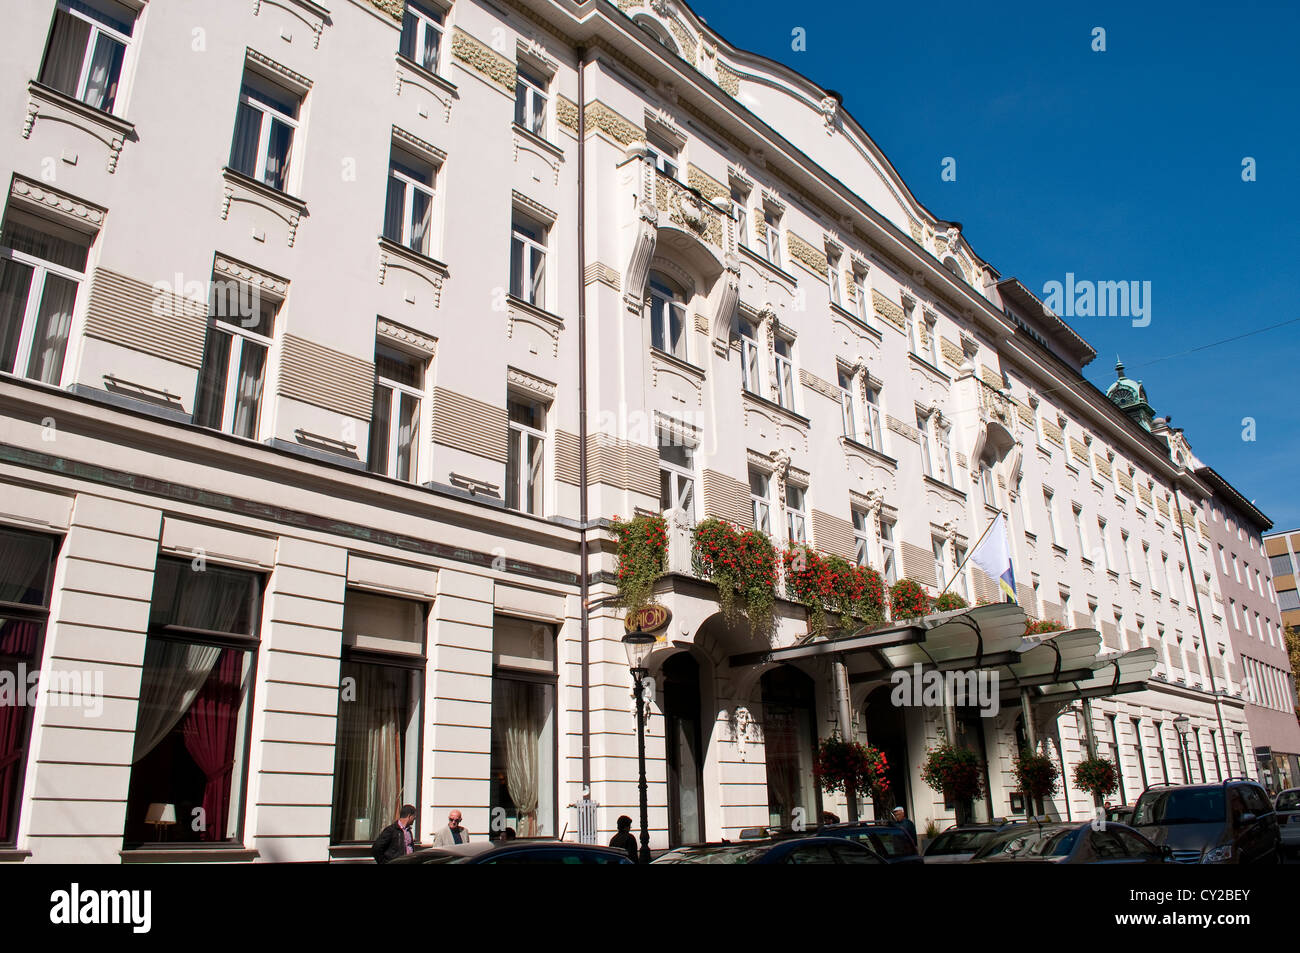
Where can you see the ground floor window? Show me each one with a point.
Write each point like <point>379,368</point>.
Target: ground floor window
<point>26,560</point>
<point>789,736</point>
<point>189,760</point>
<point>522,789</point>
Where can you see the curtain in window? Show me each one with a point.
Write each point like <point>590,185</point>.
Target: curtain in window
<point>368,768</point>
<point>105,68</point>
<point>277,155</point>
<point>210,400</point>
<point>174,672</point>
<point>15,282</point>
<point>393,208</point>
<point>248,129</point>
<point>50,338</point>
<point>522,726</point>
<point>780,744</point>
<point>17,639</point>
<point>248,396</point>
<point>421,216</point>
<point>62,69</point>
<point>24,562</point>
<point>406,429</point>
<point>209,731</point>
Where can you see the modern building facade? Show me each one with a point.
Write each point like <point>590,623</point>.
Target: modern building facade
<point>326,369</point>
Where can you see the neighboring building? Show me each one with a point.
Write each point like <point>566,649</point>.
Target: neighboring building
<point>1283,552</point>
<point>292,437</point>
<point>1256,626</point>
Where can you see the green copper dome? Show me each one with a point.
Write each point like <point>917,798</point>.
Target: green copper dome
<point>1131,397</point>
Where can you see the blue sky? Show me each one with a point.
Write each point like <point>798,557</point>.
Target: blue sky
<point>1116,165</point>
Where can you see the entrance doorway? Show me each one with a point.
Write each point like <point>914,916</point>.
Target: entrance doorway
<point>887,730</point>
<point>789,738</point>
<point>970,735</point>
<point>684,752</point>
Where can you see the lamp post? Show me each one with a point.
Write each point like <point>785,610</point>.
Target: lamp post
<point>1183,725</point>
<point>638,645</point>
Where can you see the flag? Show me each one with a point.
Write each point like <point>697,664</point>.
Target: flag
<point>993,555</point>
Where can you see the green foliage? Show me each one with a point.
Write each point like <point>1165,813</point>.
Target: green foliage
<point>742,564</point>
<point>1096,776</point>
<point>642,554</point>
<point>1036,774</point>
<point>953,770</point>
<point>908,599</point>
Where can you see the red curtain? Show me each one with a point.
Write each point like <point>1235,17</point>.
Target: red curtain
<point>209,730</point>
<point>16,639</point>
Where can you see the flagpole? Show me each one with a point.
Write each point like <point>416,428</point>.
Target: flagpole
<point>970,552</point>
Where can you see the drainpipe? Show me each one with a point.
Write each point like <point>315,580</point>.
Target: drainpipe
<point>1205,642</point>
<point>844,705</point>
<point>583,555</point>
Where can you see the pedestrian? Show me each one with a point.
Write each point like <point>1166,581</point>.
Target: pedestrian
<point>397,839</point>
<point>453,833</point>
<point>900,818</point>
<point>624,840</point>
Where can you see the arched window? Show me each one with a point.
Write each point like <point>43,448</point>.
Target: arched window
<point>656,30</point>
<point>951,264</point>
<point>667,304</point>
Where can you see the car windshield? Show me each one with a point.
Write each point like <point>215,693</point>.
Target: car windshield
<point>958,842</point>
<point>1180,806</point>
<point>1288,801</point>
<point>1047,842</point>
<point>713,854</point>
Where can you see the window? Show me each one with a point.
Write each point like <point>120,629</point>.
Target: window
<point>41,268</point>
<point>1232,605</point>
<point>1151,573</point>
<point>751,376</point>
<point>760,500</point>
<point>796,513</point>
<point>1103,548</point>
<point>740,214</point>
<point>1279,565</point>
<point>1236,568</point>
<point>987,488</point>
<point>1050,503</point>
<point>939,546</point>
<point>943,436</point>
<point>932,340</point>
<point>191,733</point>
<point>959,583</point>
<point>408,208</point>
<point>861,537</point>
<point>769,239</point>
<point>230,384</point>
<point>522,782</point>
<point>871,410</point>
<point>377,753</point>
<point>1223,560</point>
<point>1079,533</point>
<point>530,100</point>
<point>667,318</point>
<point>395,422</point>
<point>860,295</point>
<point>1288,599</point>
<point>525,452</point>
<point>833,279</point>
<point>784,356</point>
<point>87,46</point>
<point>662,154</point>
<point>847,415</point>
<point>421,41</point>
<point>26,571</point>
<point>923,435</point>
<point>528,260</point>
<point>676,476</point>
<point>887,565</point>
<point>1169,580</point>
<point>264,126</point>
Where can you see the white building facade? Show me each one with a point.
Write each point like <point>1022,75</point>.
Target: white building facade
<point>334,339</point>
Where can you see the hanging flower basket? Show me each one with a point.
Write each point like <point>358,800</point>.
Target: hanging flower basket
<point>850,766</point>
<point>743,567</point>
<point>1036,774</point>
<point>1043,626</point>
<point>642,555</point>
<point>949,602</point>
<point>908,599</point>
<point>829,583</point>
<point>955,771</point>
<point>1096,776</point>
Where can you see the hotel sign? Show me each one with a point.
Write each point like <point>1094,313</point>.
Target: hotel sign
<point>649,618</point>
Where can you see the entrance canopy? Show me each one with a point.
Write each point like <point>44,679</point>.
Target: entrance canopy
<point>1116,675</point>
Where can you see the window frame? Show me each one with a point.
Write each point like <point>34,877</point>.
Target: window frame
<point>41,269</point>
<point>679,477</point>
<point>528,483</point>
<point>426,17</point>
<point>751,367</point>
<point>241,336</point>
<point>663,301</point>
<point>796,517</point>
<point>785,376</point>
<point>410,185</point>
<point>396,391</point>
<point>531,250</point>
<point>761,501</point>
<point>97,29</point>
<point>270,114</point>
<point>532,86</point>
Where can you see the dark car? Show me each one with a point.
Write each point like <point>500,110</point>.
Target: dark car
<point>1057,843</point>
<point>517,852</point>
<point>1232,822</point>
<point>889,840</point>
<point>794,850</point>
<point>1123,814</point>
<point>959,844</point>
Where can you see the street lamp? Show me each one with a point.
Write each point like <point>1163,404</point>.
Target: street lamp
<point>638,645</point>
<point>1183,725</point>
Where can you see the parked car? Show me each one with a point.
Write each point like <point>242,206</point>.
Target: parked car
<point>793,850</point>
<point>517,852</point>
<point>1123,814</point>
<point>959,843</point>
<point>887,839</point>
<point>1231,822</point>
<point>1287,807</point>
<point>1057,843</point>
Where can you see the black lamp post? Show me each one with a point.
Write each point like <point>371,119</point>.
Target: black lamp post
<point>1183,725</point>
<point>638,645</point>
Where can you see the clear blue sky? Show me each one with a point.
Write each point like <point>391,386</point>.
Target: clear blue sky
<point>1116,165</point>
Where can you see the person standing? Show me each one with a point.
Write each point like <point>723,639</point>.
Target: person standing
<point>453,833</point>
<point>624,840</point>
<point>397,839</point>
<point>900,818</point>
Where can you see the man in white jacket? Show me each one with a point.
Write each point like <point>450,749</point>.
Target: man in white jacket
<point>453,833</point>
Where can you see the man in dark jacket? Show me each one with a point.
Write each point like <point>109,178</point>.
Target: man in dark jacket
<point>397,839</point>
<point>624,840</point>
